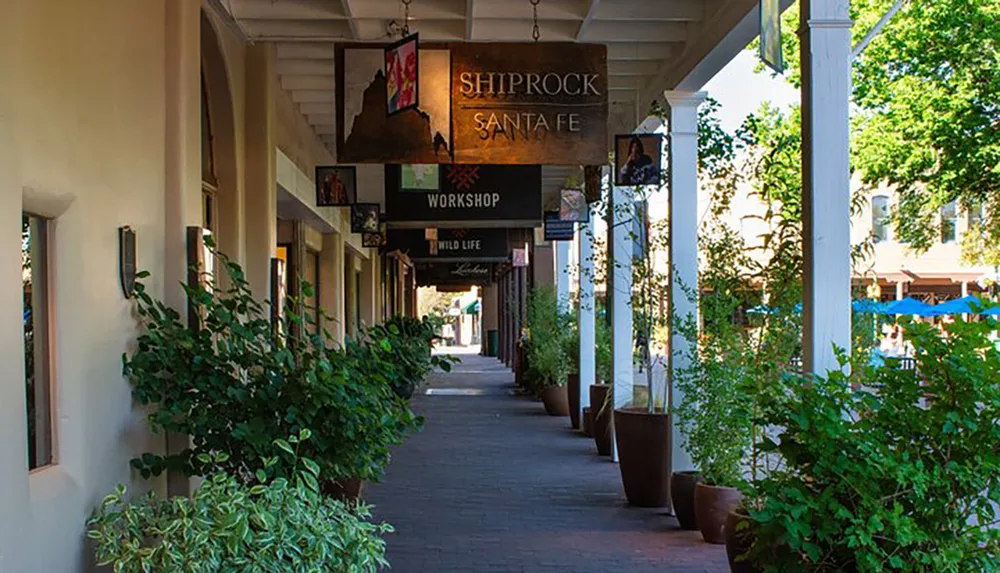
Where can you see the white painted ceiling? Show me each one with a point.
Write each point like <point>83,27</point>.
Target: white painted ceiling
<point>652,44</point>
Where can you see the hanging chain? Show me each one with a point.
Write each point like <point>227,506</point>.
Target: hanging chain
<point>406,17</point>
<point>534,31</point>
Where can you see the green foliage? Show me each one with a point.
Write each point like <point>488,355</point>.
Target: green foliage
<point>734,357</point>
<point>545,346</point>
<point>902,474</point>
<point>279,526</point>
<point>234,383</point>
<point>926,121</point>
<point>408,355</point>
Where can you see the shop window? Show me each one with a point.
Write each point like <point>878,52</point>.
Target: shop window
<point>37,371</point>
<point>311,275</point>
<point>976,216</point>
<point>949,222</point>
<point>880,218</point>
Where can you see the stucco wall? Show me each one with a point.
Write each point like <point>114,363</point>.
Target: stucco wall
<point>81,117</point>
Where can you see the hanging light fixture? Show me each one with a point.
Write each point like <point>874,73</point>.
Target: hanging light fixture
<point>402,69</point>
<point>535,33</point>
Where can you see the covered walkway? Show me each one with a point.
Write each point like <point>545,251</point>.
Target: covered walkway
<point>494,485</point>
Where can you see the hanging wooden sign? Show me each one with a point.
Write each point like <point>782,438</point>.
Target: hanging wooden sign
<point>501,103</point>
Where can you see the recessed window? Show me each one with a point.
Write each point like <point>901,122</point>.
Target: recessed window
<point>949,222</point>
<point>37,372</point>
<point>880,218</point>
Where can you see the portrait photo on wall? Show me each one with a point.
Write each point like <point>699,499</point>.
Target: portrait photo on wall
<point>425,177</point>
<point>637,159</point>
<point>402,72</point>
<point>336,186</point>
<point>365,218</point>
<point>573,206</point>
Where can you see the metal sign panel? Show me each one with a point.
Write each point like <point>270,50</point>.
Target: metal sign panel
<point>508,194</point>
<point>557,229</point>
<point>453,245</point>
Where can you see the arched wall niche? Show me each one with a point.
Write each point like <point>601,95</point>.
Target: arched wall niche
<point>217,97</point>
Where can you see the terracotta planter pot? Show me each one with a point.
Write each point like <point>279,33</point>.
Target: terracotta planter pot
<point>555,400</point>
<point>345,490</point>
<point>739,541</point>
<point>573,392</point>
<point>644,456</point>
<point>682,486</point>
<point>711,507</point>
<point>600,413</point>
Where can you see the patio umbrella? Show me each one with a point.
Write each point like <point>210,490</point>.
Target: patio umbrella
<point>962,305</point>
<point>869,306</point>
<point>909,306</point>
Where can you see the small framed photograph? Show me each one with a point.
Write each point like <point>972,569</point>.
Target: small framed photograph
<point>365,218</point>
<point>374,240</point>
<point>402,74</point>
<point>336,186</point>
<point>573,206</point>
<point>638,159</point>
<point>420,177</point>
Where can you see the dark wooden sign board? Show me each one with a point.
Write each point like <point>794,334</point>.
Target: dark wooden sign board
<point>501,103</point>
<point>508,193</point>
<point>453,245</point>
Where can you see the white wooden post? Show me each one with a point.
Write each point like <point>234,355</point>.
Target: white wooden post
<point>826,197</point>
<point>561,255</point>
<point>585,312</point>
<point>622,343</point>
<point>683,186</point>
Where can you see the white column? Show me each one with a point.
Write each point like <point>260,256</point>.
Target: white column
<point>683,217</point>
<point>899,290</point>
<point>562,274</point>
<point>622,342</point>
<point>585,312</point>
<point>826,195</point>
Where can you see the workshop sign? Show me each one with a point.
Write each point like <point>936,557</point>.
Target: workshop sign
<point>428,195</point>
<point>494,103</point>
<point>452,245</point>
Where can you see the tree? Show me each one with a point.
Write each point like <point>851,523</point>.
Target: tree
<point>927,115</point>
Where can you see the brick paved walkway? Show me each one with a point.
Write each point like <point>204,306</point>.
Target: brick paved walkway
<point>494,485</point>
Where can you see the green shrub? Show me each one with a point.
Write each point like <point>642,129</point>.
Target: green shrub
<point>227,526</point>
<point>234,383</point>
<point>544,350</point>
<point>900,475</point>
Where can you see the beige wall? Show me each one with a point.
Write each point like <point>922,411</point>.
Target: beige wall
<point>100,127</point>
<point>82,116</point>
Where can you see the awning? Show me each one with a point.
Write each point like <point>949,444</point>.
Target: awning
<point>472,308</point>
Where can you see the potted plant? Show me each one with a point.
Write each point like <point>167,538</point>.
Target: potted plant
<point>896,475</point>
<point>264,383</point>
<point>734,360</point>
<point>643,429</point>
<point>571,350</point>
<point>228,525</point>
<point>547,364</point>
<point>601,400</point>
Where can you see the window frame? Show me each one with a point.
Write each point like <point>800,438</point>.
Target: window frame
<point>42,351</point>
<point>952,221</point>
<point>880,221</point>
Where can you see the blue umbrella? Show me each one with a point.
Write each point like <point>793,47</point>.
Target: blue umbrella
<point>910,306</point>
<point>962,305</point>
<point>869,306</point>
<point>993,311</point>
